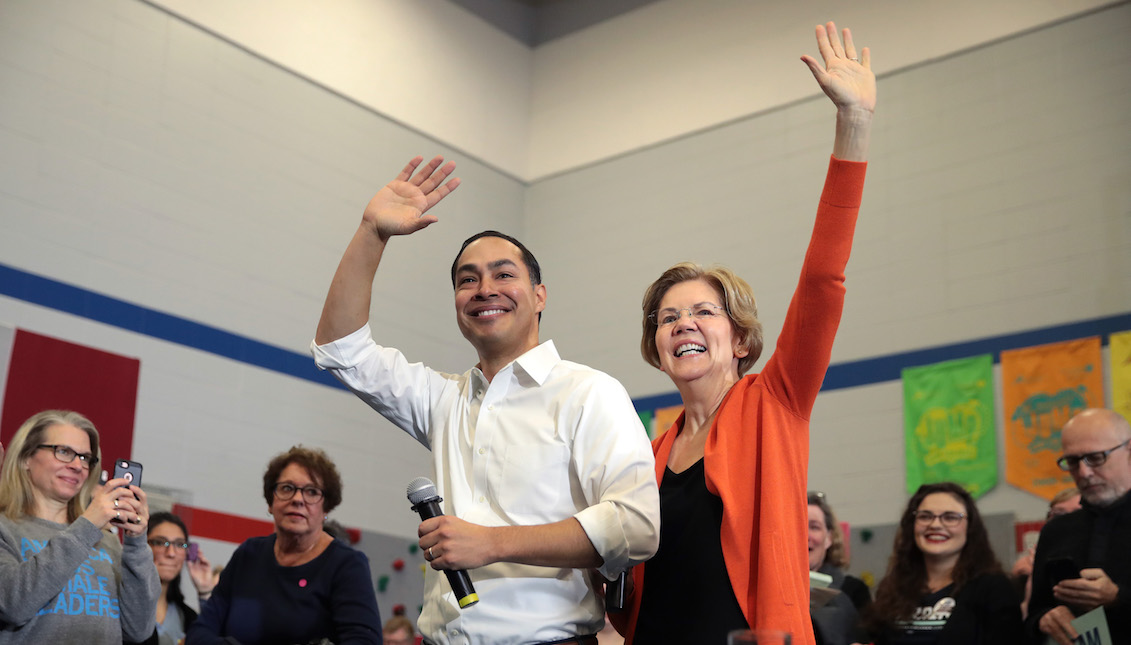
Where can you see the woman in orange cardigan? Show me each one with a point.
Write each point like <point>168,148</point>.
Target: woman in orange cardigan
<point>732,468</point>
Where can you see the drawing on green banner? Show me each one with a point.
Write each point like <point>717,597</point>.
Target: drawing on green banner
<point>948,418</point>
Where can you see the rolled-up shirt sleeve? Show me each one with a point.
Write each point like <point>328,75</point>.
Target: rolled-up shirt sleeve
<point>614,462</point>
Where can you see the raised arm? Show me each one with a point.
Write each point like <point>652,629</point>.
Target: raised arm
<point>397,209</point>
<point>848,80</point>
<point>796,369</point>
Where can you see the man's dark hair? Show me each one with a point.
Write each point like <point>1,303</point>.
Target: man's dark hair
<point>528,258</point>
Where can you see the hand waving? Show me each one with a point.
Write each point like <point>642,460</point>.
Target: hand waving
<point>846,79</point>
<point>399,208</point>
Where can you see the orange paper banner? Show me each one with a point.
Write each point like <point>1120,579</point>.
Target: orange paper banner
<point>665,417</point>
<point>1121,373</point>
<point>1042,388</point>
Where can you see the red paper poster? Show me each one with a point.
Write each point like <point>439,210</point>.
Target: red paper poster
<point>46,373</point>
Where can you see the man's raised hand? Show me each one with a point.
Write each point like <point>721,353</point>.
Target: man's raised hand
<point>399,208</point>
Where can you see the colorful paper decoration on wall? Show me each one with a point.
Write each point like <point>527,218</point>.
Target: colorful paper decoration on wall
<point>664,418</point>
<point>1042,387</point>
<point>646,419</point>
<point>948,421</point>
<point>1120,345</point>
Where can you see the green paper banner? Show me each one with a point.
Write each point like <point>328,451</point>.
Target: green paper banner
<point>948,421</point>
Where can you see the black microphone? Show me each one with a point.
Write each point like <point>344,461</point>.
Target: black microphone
<point>425,501</point>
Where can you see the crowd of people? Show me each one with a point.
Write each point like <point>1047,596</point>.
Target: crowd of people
<point>551,488</point>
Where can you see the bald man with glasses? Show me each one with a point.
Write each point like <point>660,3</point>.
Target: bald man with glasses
<point>1096,539</point>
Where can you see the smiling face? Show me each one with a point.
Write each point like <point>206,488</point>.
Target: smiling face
<point>52,479</point>
<point>694,348</point>
<point>496,305</point>
<point>170,559</point>
<point>820,538</point>
<point>935,540</point>
<point>295,515</point>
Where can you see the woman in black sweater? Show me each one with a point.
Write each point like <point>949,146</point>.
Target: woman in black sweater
<point>944,586</point>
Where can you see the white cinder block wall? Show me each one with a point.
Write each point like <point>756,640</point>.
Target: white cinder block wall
<point>144,158</point>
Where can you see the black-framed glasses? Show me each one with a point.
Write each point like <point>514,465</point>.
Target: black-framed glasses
<point>287,490</point>
<point>1093,459</point>
<point>701,311</point>
<point>157,543</point>
<point>66,454</point>
<point>949,519</point>
<point>817,497</point>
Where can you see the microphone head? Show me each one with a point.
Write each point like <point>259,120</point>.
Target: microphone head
<point>421,489</point>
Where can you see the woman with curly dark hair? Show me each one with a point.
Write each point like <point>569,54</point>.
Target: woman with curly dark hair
<point>944,585</point>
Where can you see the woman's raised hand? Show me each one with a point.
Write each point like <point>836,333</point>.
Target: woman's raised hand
<point>846,76</point>
<point>203,578</point>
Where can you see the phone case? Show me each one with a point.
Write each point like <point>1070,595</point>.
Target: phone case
<point>130,470</point>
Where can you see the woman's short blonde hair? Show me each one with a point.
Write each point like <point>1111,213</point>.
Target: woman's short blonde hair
<point>17,497</point>
<point>738,299</point>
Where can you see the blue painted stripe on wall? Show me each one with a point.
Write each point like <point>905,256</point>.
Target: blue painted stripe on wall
<point>53,294</point>
<point>889,367</point>
<point>74,300</point>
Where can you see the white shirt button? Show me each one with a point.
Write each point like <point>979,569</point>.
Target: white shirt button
<point>482,451</point>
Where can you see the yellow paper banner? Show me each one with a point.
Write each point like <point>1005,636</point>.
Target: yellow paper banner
<point>1042,388</point>
<point>1121,373</point>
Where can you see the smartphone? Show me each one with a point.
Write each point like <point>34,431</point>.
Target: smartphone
<point>615,592</point>
<point>193,552</point>
<point>128,470</point>
<point>1059,569</point>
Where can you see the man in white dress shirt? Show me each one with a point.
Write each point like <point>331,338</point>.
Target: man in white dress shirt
<point>545,468</point>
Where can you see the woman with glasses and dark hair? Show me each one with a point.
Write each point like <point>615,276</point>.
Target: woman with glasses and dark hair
<point>169,540</point>
<point>944,585</point>
<point>64,577</point>
<point>297,585</point>
<point>732,469</point>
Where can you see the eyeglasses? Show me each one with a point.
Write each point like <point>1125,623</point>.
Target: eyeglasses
<point>285,491</point>
<point>701,311</point>
<point>66,455</point>
<point>164,544</point>
<point>816,497</point>
<point>948,519</point>
<point>1093,459</point>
